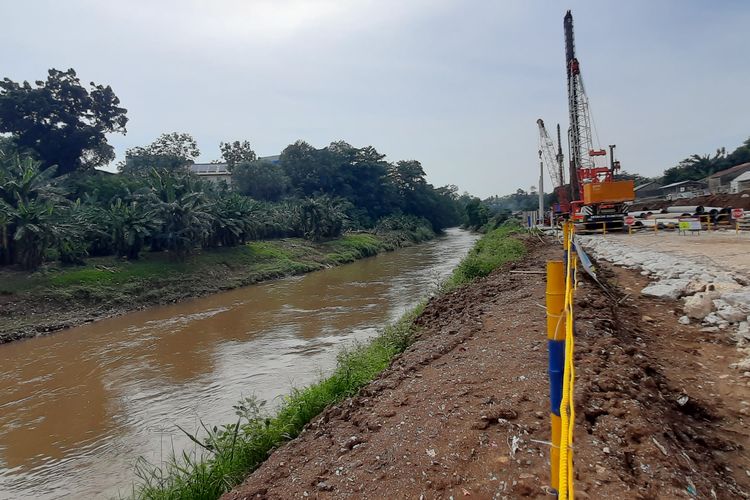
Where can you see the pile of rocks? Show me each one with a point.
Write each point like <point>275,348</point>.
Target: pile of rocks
<point>719,299</point>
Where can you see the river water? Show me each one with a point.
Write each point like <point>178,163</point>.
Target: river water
<point>77,408</point>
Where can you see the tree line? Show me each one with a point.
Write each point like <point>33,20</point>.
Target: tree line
<point>55,205</point>
<point>697,167</point>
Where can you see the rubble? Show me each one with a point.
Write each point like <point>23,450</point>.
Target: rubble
<point>711,294</point>
<point>698,306</point>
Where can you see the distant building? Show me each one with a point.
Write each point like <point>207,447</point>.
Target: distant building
<point>271,159</point>
<point>650,189</point>
<point>214,172</point>
<point>740,183</point>
<point>218,172</point>
<point>720,182</point>
<point>683,189</point>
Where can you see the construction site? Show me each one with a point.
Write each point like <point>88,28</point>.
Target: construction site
<point>662,388</point>
<point>326,323</point>
<point>652,284</point>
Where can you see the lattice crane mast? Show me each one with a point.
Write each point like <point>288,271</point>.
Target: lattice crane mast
<point>597,196</point>
<point>552,161</point>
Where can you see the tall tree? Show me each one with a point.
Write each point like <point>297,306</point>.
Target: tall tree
<point>64,123</point>
<point>740,155</point>
<point>261,180</point>
<point>237,152</point>
<point>172,151</point>
<point>695,167</point>
<point>302,163</point>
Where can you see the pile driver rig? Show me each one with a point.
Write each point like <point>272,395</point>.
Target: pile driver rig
<point>593,196</point>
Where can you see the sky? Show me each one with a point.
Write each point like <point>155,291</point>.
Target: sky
<point>455,84</point>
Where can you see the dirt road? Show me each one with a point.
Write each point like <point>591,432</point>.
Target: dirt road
<point>464,412</point>
<point>723,248</point>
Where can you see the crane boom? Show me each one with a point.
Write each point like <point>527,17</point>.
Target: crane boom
<point>547,152</point>
<point>580,140</point>
<point>595,196</point>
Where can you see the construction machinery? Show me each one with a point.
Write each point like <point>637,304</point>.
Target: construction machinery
<point>596,197</point>
<point>555,166</point>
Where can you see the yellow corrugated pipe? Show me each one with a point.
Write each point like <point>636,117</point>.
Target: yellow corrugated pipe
<point>556,347</point>
<point>567,410</point>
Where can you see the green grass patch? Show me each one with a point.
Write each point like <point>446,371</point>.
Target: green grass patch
<point>494,249</point>
<point>231,452</point>
<point>352,247</point>
<point>268,250</point>
<point>112,271</point>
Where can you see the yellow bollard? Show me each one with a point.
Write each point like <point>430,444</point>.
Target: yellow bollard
<point>555,299</point>
<point>630,230</point>
<point>604,228</point>
<point>556,346</point>
<point>554,453</point>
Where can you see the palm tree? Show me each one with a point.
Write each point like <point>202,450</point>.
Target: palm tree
<point>35,231</point>
<point>322,217</point>
<point>29,205</point>
<point>235,219</point>
<point>130,224</point>
<point>180,203</point>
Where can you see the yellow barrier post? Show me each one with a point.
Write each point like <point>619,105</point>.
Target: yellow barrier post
<point>604,228</point>
<point>556,349</point>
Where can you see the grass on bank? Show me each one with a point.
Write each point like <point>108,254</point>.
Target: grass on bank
<point>235,450</point>
<point>494,249</point>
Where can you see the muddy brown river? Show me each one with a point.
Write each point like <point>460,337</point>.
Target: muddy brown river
<point>77,408</point>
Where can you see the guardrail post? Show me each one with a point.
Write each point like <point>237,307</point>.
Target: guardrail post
<point>556,348</point>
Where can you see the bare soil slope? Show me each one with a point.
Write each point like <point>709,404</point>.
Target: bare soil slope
<point>464,411</point>
<point>711,200</point>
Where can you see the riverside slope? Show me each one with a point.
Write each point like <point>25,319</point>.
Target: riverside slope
<point>63,297</point>
<point>465,411</point>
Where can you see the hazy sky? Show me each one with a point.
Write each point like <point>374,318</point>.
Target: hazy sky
<point>456,84</point>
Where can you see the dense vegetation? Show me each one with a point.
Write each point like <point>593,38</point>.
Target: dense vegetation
<point>228,453</point>
<point>697,167</point>
<point>54,205</point>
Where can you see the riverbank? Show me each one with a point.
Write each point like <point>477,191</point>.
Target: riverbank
<point>236,449</point>
<point>59,297</point>
<point>464,412</point>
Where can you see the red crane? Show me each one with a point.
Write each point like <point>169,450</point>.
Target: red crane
<point>598,197</point>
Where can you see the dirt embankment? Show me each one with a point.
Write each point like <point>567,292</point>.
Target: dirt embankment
<point>465,411</point>
<point>713,200</point>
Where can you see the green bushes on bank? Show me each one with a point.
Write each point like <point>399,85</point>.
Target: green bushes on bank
<point>494,249</point>
<point>231,452</point>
